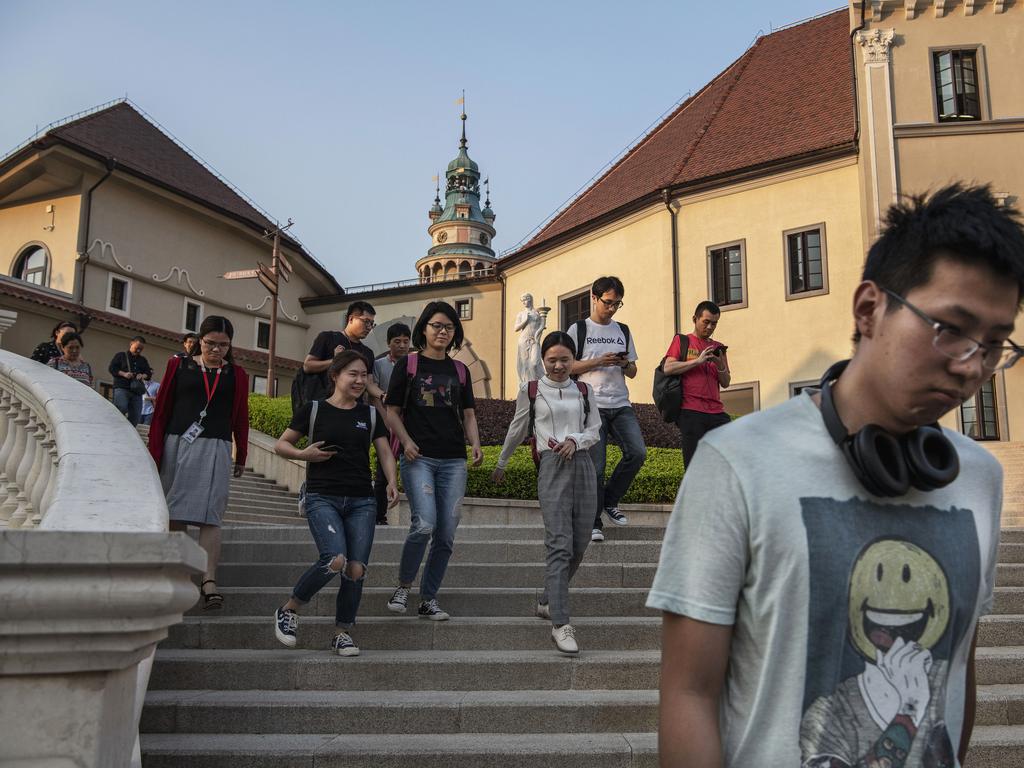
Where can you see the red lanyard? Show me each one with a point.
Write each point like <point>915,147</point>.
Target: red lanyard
<point>210,392</point>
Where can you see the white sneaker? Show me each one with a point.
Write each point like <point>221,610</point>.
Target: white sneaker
<point>597,535</point>
<point>564,638</point>
<point>543,611</point>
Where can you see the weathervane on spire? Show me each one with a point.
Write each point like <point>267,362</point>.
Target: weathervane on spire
<point>462,101</point>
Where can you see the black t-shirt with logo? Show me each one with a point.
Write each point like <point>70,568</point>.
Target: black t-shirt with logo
<point>347,473</point>
<point>432,409</point>
<point>326,341</point>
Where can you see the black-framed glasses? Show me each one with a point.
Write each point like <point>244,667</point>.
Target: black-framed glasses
<point>368,322</point>
<point>215,344</point>
<point>439,327</point>
<point>953,344</point>
<point>611,304</point>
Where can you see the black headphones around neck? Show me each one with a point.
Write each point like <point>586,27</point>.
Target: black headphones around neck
<point>885,464</point>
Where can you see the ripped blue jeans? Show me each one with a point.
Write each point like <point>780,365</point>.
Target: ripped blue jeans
<point>435,488</point>
<point>341,525</point>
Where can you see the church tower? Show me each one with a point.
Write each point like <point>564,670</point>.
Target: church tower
<point>460,232</point>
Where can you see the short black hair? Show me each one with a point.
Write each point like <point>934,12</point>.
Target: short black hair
<point>138,338</point>
<point>710,306</point>
<point>557,339</point>
<point>343,360</point>
<point>604,284</point>
<point>362,307</point>
<point>188,336</point>
<point>62,324</point>
<point>963,223</point>
<point>70,336</point>
<point>398,329</point>
<point>419,337</point>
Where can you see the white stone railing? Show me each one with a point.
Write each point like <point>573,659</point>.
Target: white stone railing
<point>90,579</point>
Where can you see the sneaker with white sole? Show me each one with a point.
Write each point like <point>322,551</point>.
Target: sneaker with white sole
<point>543,611</point>
<point>564,638</point>
<point>429,609</point>
<point>399,600</point>
<point>597,535</point>
<point>344,645</point>
<point>285,624</point>
<point>613,514</point>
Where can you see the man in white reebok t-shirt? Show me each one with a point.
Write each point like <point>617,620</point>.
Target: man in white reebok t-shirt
<point>605,356</point>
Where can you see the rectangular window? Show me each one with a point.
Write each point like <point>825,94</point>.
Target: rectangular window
<point>726,275</point>
<point>465,309</point>
<point>806,262</point>
<point>262,334</point>
<point>119,294</point>
<point>575,308</point>
<point>193,316</point>
<point>979,418</point>
<point>956,85</point>
<point>259,385</point>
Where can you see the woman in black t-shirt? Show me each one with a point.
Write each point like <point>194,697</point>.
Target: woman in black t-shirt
<point>340,506</point>
<point>430,410</point>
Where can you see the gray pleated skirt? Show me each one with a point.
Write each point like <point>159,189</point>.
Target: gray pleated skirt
<point>196,478</point>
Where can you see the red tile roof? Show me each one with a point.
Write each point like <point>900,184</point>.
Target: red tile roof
<point>141,148</point>
<point>27,292</point>
<point>789,95</point>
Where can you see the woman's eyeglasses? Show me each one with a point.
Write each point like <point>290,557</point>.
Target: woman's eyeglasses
<point>443,327</point>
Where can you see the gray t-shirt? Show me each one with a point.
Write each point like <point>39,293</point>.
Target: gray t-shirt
<point>853,615</point>
<point>382,368</point>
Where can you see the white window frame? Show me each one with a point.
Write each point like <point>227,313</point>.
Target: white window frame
<point>127,311</point>
<point>256,334</point>
<point>469,302</point>
<point>184,315</point>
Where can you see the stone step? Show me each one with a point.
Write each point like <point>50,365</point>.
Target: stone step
<point>268,492</point>
<point>493,552</point>
<point>399,712</point>
<point>1010,575</point>
<point>1002,665</point>
<point>409,633</point>
<point>590,574</point>
<point>464,601</point>
<point>246,518</point>
<point>268,506</point>
<point>469,750</point>
<point>299,532</point>
<point>1001,630</point>
<point>422,670</point>
<point>1011,552</point>
<point>996,746</point>
<point>1000,705</point>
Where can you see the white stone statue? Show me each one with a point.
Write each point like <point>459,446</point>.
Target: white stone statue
<point>530,326</point>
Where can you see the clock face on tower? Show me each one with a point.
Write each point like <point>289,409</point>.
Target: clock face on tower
<point>442,237</point>
<point>483,239</point>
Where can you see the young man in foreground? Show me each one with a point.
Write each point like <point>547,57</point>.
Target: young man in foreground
<point>808,620</point>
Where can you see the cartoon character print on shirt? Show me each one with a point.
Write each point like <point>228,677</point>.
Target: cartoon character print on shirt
<point>875,693</point>
<point>435,390</point>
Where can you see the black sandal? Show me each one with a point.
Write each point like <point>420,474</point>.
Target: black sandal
<point>211,600</point>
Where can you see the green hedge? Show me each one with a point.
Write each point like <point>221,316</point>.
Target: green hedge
<point>657,481</point>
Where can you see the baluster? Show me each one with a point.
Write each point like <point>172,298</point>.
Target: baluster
<point>8,412</point>
<point>35,485</point>
<point>21,476</point>
<point>51,477</point>
<point>19,421</point>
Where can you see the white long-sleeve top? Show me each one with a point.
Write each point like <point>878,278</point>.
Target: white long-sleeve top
<point>558,415</point>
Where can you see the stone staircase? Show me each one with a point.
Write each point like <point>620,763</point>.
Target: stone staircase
<point>485,689</point>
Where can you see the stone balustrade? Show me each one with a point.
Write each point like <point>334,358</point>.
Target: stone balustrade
<point>90,578</point>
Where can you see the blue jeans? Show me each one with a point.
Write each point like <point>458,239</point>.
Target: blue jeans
<point>435,488</point>
<point>622,424</point>
<point>341,525</point>
<point>129,404</point>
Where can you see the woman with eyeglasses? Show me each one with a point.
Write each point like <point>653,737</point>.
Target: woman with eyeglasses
<point>203,402</point>
<point>430,408</point>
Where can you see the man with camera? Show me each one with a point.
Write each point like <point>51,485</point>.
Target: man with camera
<point>703,367</point>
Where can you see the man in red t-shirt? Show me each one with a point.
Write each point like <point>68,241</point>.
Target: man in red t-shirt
<point>703,370</point>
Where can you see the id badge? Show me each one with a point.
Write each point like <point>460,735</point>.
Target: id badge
<point>192,433</point>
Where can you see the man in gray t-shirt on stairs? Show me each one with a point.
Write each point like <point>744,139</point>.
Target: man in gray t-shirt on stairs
<point>605,356</point>
<point>827,561</point>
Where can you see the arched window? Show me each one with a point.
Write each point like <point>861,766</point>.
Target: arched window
<point>451,271</point>
<point>33,265</point>
<point>464,269</point>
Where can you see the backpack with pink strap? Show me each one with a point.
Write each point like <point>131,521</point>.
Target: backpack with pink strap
<point>411,366</point>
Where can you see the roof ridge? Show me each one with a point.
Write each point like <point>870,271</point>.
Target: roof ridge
<point>594,183</point>
<point>742,62</point>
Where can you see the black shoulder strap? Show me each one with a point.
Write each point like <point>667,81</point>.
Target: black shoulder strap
<point>581,337</point>
<point>625,332</point>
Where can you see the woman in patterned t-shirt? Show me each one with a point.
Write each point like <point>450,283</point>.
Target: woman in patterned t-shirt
<point>71,362</point>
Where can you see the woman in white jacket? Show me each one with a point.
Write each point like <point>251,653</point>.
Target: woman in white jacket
<point>564,424</point>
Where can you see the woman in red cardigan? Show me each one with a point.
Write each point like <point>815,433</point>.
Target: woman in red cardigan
<point>203,402</point>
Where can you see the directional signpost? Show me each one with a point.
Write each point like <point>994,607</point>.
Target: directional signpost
<point>279,267</point>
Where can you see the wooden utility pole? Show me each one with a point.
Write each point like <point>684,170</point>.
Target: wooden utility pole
<point>268,276</point>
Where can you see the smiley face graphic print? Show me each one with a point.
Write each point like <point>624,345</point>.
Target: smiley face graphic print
<point>875,691</point>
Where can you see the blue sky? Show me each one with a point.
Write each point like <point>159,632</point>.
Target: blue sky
<point>339,114</point>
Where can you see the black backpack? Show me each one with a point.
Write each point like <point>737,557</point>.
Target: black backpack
<point>668,390</point>
<point>307,387</point>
